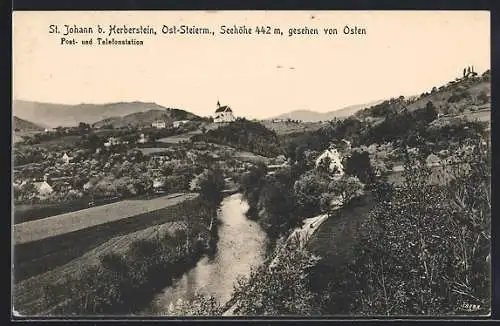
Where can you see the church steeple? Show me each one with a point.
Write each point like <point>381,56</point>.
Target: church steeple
<point>218,104</point>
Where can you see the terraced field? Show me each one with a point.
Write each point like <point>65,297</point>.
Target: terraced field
<point>28,293</point>
<point>75,221</point>
<point>69,236</point>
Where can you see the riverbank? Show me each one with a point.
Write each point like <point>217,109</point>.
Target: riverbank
<point>241,247</point>
<point>302,235</point>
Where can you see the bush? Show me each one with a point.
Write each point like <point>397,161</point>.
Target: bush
<point>423,249</point>
<point>457,97</point>
<point>280,289</point>
<point>483,98</point>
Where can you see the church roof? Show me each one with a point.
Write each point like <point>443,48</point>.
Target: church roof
<point>224,108</point>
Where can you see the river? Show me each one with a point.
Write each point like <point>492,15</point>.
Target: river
<point>241,246</point>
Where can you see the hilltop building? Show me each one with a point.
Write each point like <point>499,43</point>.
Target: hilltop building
<point>469,72</point>
<point>159,124</point>
<point>223,114</point>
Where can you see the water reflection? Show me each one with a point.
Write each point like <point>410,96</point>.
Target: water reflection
<point>241,245</point>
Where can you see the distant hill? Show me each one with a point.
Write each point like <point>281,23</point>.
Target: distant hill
<point>142,119</point>
<point>54,115</point>
<point>21,125</point>
<point>313,116</point>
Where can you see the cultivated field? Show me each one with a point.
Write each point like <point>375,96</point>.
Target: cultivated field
<point>481,115</point>
<point>28,293</point>
<point>37,257</point>
<point>439,174</point>
<point>17,136</point>
<point>284,127</point>
<point>74,221</point>
<point>250,157</point>
<point>179,138</point>
<point>152,150</point>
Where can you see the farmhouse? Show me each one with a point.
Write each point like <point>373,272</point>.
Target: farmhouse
<point>43,189</point>
<point>159,124</point>
<point>223,114</point>
<point>335,160</point>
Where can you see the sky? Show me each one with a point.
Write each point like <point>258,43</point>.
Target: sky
<point>402,53</point>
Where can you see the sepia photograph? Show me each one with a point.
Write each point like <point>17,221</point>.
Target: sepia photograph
<point>251,163</point>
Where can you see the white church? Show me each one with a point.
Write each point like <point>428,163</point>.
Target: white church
<point>223,114</point>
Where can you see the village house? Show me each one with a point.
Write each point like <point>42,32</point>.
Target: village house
<point>335,159</point>
<point>66,159</point>
<point>179,123</point>
<point>142,139</point>
<point>432,160</point>
<point>43,189</point>
<point>223,114</point>
<point>159,124</point>
<point>87,186</point>
<point>112,141</point>
<point>159,184</point>
<point>191,156</point>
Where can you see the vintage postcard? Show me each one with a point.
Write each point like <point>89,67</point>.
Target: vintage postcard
<point>251,163</point>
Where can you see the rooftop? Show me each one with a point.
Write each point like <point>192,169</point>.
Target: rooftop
<point>224,108</point>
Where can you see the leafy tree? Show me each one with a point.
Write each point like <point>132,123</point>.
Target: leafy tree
<point>83,127</point>
<point>251,183</point>
<point>282,289</point>
<point>277,206</point>
<point>200,305</point>
<point>423,249</point>
<point>483,98</point>
<point>358,164</point>
<point>211,186</point>
<point>308,190</point>
<point>343,190</point>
